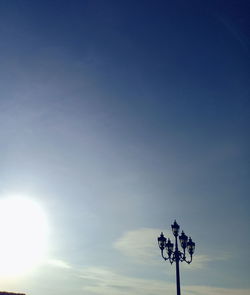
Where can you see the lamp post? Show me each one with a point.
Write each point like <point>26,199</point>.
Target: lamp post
<point>173,253</point>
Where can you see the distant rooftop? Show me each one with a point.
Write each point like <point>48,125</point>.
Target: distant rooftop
<point>9,293</point>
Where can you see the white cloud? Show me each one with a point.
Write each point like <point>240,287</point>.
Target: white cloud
<point>104,281</point>
<point>59,263</point>
<point>201,261</point>
<point>207,290</point>
<point>141,246</point>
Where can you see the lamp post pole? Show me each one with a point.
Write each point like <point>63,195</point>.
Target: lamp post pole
<point>174,255</point>
<point>178,286</point>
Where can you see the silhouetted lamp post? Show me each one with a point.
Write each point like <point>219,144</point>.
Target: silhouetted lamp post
<point>173,253</point>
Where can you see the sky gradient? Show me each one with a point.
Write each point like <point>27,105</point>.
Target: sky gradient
<point>118,117</point>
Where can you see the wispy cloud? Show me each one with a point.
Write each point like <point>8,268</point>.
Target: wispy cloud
<point>141,246</point>
<point>106,282</point>
<point>59,263</point>
<point>207,290</point>
<point>201,261</point>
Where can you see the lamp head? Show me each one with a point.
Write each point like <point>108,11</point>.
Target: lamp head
<point>183,240</point>
<point>170,247</point>
<point>175,228</point>
<point>162,242</point>
<point>190,246</point>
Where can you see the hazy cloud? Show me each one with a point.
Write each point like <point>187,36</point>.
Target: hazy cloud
<point>104,281</point>
<point>59,263</point>
<point>141,246</point>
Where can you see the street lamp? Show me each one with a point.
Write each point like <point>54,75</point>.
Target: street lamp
<point>174,255</point>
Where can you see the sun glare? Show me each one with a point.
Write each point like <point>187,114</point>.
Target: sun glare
<point>23,235</point>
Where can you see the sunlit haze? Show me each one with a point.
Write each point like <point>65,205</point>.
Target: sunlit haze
<point>24,235</point>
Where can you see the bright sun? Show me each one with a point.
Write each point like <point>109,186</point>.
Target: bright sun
<point>23,235</point>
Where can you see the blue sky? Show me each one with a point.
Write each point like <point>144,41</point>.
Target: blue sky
<point>118,117</point>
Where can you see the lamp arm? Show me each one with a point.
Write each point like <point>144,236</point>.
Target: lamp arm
<point>171,257</point>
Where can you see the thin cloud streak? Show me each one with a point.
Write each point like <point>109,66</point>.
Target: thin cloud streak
<point>59,263</point>
<point>104,281</point>
<point>139,245</point>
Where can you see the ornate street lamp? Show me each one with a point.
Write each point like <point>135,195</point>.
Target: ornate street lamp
<point>174,255</point>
